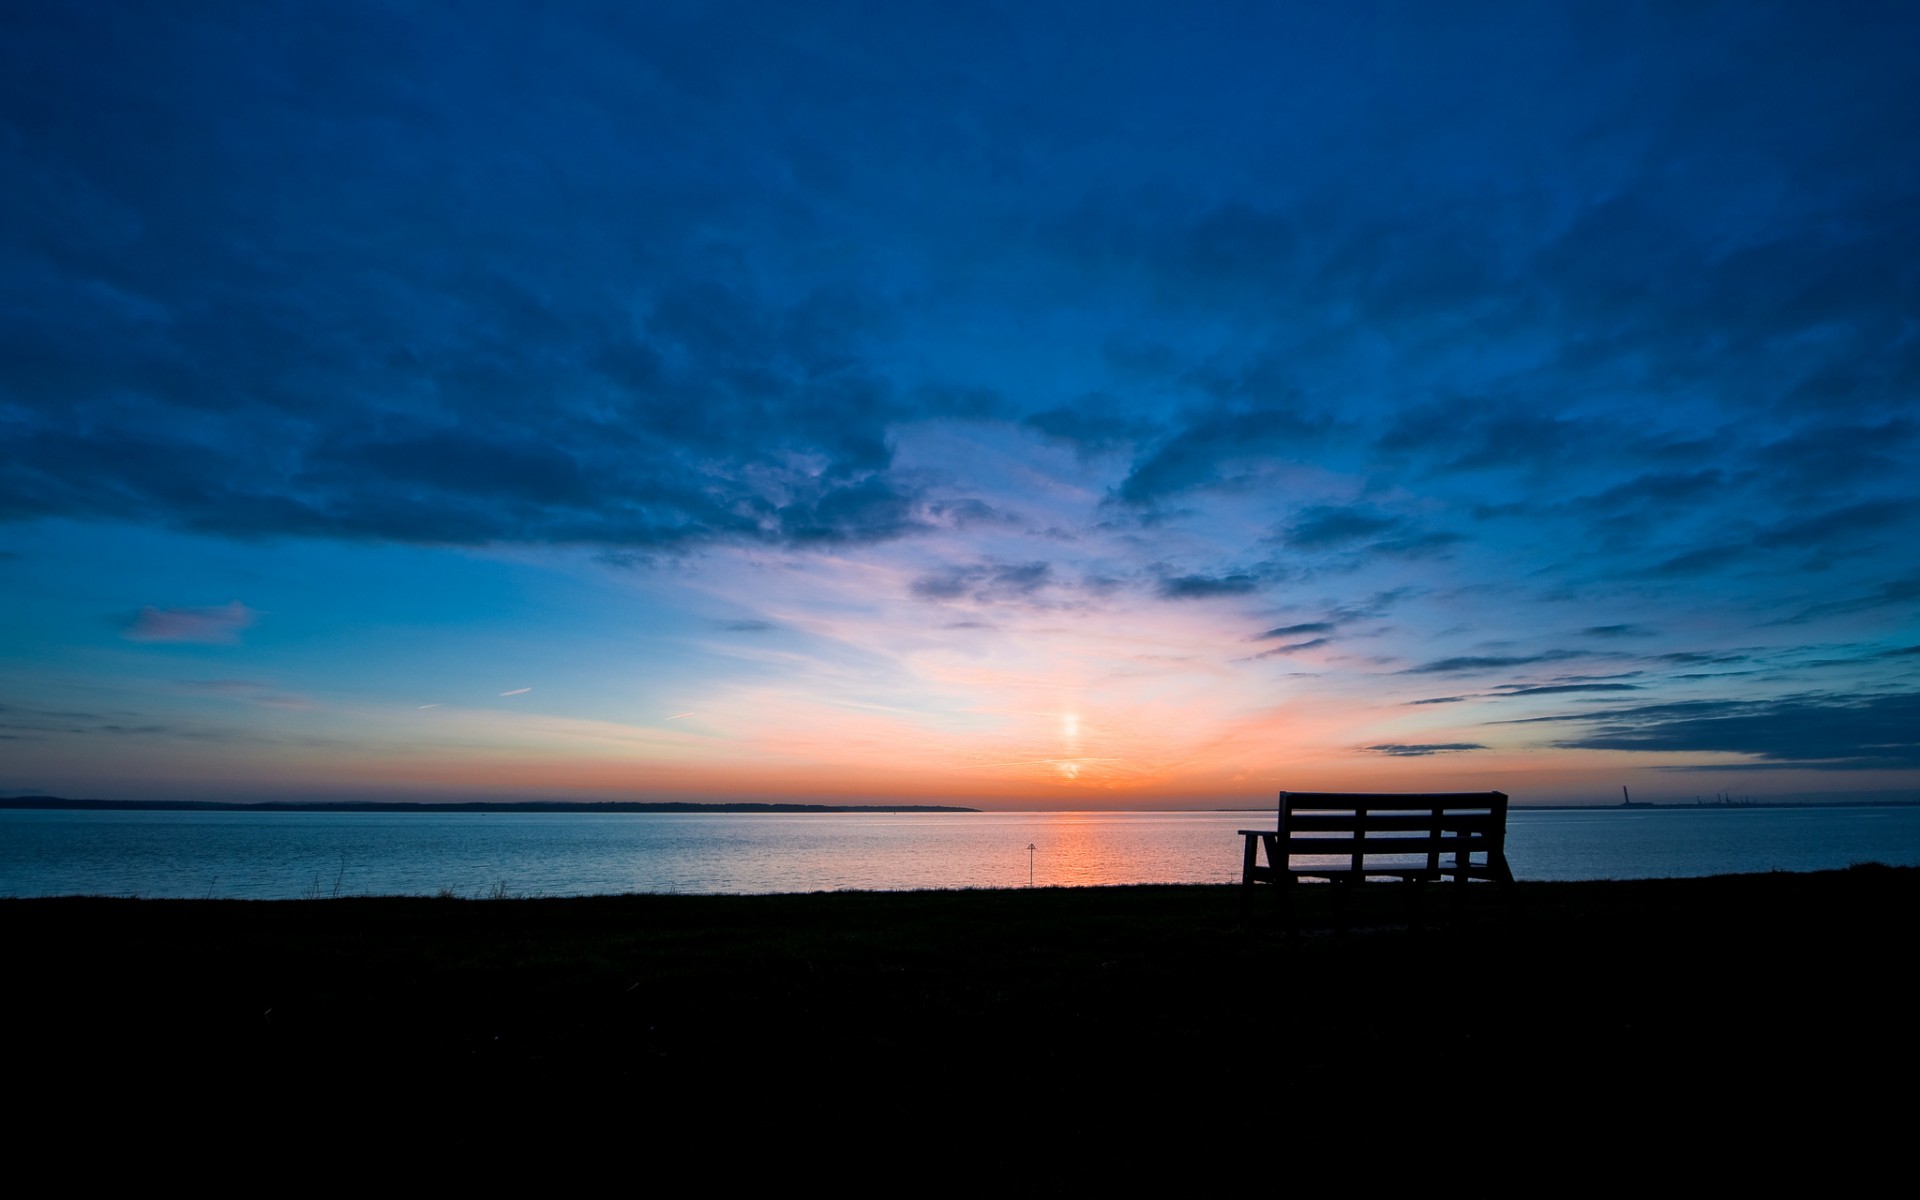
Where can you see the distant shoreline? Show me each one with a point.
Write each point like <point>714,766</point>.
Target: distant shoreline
<point>58,803</point>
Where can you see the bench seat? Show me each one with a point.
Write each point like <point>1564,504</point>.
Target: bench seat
<point>1412,836</point>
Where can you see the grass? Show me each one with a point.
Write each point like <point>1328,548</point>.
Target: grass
<point>653,1009</point>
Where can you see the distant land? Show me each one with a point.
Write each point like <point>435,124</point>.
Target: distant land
<point>1638,805</point>
<point>1688,806</point>
<point>541,806</point>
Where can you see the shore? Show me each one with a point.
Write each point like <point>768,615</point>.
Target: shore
<point>649,1007</point>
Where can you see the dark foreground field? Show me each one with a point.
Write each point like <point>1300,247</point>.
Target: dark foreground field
<point>1756,1001</point>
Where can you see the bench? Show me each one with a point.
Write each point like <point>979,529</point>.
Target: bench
<point>1345,837</point>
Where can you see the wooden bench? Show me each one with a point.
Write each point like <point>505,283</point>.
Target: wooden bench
<point>1344,837</point>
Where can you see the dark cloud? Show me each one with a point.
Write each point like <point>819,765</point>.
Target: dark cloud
<point>644,280</point>
<point>1868,527</point>
<point>1892,592</point>
<point>748,626</point>
<point>1493,662</point>
<point>1824,454</point>
<point>1439,700</point>
<point>1556,688</point>
<point>967,513</point>
<point>1694,658</point>
<point>869,511</point>
<point>428,300</point>
<point>1416,544</point>
<point>1469,434</point>
<point>1360,532</point>
<point>1373,607</point>
<point>1663,489</point>
<point>1700,561</point>
<point>1406,750</point>
<point>1294,648</point>
<point>1820,731</point>
<point>1330,527</point>
<point>1610,677</point>
<point>1616,631</point>
<point>1203,587</point>
<point>1093,425</point>
<point>1287,631</point>
<point>1211,450</point>
<point>986,583</point>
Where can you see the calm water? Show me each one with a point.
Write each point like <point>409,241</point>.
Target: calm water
<point>294,855</point>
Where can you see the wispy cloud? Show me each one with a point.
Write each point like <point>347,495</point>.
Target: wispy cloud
<point>218,626</point>
<point>1300,630</point>
<point>1466,664</point>
<point>986,583</point>
<point>1420,750</point>
<point>1550,689</point>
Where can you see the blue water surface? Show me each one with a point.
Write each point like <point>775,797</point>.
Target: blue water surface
<point>281,855</point>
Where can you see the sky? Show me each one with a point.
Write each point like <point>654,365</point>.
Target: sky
<point>1051,406</point>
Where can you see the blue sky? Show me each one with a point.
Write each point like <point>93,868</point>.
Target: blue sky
<point>1044,405</point>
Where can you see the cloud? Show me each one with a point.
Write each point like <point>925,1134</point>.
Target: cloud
<point>1092,426</point>
<point>967,513</point>
<point>1361,531</point>
<point>1406,750</point>
<point>1328,527</point>
<point>811,289</point>
<point>1819,731</point>
<point>1695,658</point>
<point>1287,631</point>
<point>1375,606</point>
<point>221,626</point>
<point>986,583</point>
<point>274,339</point>
<point>1207,587</point>
<point>1550,689</point>
<point>1811,459</point>
<point>1699,561</point>
<point>1294,648</point>
<point>1211,448</point>
<point>872,510</point>
<point>1899,591</point>
<point>1840,524</point>
<point>1493,662</point>
<point>1469,434</point>
<point>1665,490</point>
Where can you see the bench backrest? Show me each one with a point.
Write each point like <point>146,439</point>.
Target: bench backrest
<point>1362,825</point>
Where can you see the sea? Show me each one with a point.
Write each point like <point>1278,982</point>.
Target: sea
<point>315,855</point>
